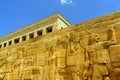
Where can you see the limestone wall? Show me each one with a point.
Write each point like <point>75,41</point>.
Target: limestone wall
<point>85,51</point>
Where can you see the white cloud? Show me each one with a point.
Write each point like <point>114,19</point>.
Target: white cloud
<point>66,1</point>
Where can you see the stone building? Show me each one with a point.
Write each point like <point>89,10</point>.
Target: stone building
<point>54,49</point>
<point>36,29</point>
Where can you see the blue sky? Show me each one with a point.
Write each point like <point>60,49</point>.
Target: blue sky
<point>15,14</point>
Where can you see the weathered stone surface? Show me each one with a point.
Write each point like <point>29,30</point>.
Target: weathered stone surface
<point>86,51</point>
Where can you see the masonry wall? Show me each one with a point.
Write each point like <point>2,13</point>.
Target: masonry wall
<point>62,54</point>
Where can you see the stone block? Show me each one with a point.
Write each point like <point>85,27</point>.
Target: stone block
<point>115,53</point>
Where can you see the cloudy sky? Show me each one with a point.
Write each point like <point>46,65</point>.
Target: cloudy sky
<point>15,14</point>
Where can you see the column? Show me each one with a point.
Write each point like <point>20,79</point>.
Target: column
<point>54,27</point>
<point>7,43</point>
<point>35,34</point>
<point>20,39</point>
<point>2,45</point>
<point>12,41</point>
<point>27,37</point>
<point>44,30</point>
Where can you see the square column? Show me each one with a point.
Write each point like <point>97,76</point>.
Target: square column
<point>20,39</point>
<point>2,45</point>
<point>12,41</point>
<point>54,27</point>
<point>44,30</point>
<point>35,34</point>
<point>27,37</point>
<point>7,43</point>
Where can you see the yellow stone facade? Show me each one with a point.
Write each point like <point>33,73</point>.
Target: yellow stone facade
<point>53,49</point>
